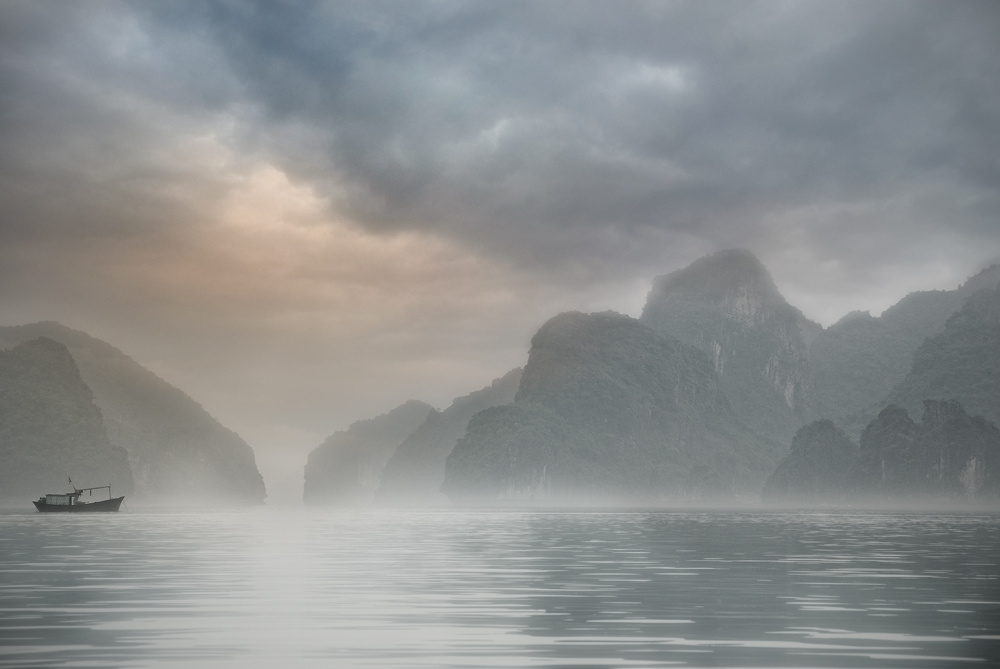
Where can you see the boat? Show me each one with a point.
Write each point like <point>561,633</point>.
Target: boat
<point>69,502</point>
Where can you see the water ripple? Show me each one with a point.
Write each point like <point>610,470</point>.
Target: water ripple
<point>264,588</point>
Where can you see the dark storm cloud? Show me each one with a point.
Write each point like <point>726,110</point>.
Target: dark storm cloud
<point>84,95</point>
<point>543,131</point>
<point>536,129</point>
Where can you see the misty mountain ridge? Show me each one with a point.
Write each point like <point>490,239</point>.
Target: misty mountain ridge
<point>346,469</point>
<point>558,443</point>
<point>781,370</point>
<point>961,362</point>
<point>727,305</point>
<point>570,431</point>
<point>691,401</point>
<point>609,411</point>
<point>177,452</point>
<point>50,427</point>
<point>949,456</point>
<point>818,468</point>
<point>858,360</point>
<point>415,472</point>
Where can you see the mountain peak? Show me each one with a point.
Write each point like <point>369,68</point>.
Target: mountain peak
<point>720,275</point>
<point>608,409</point>
<point>987,278</point>
<point>175,448</point>
<point>727,305</point>
<point>51,426</point>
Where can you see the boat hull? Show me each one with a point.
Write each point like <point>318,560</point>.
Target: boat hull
<point>92,507</point>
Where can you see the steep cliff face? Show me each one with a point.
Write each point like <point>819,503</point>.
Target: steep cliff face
<point>415,472</point>
<point>177,451</point>
<point>948,455</point>
<point>345,470</point>
<point>727,305</point>
<point>50,428</point>
<point>886,465</point>
<point>858,360</point>
<point>818,469</point>
<point>961,362</point>
<point>609,411</point>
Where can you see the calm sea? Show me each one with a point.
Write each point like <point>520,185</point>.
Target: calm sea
<point>269,588</point>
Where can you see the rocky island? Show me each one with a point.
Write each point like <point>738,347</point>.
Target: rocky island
<point>949,456</point>
<point>415,471</point>
<point>176,451</point>
<point>50,427</point>
<point>609,411</point>
<point>345,470</point>
<point>728,306</point>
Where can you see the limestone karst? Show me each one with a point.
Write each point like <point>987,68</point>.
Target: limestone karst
<point>609,410</point>
<point>50,427</point>
<point>727,305</point>
<point>177,452</point>
<point>345,470</point>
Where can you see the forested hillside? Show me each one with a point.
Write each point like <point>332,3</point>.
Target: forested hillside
<point>50,428</point>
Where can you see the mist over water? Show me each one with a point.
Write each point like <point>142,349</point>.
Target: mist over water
<point>282,266</point>
<point>265,588</point>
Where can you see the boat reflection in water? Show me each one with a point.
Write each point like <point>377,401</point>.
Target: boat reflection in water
<point>70,502</point>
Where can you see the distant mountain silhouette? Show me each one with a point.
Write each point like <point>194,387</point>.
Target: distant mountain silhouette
<point>609,410</point>
<point>176,450</point>
<point>727,305</point>
<point>695,405</point>
<point>947,456</point>
<point>345,470</point>
<point>415,472</point>
<point>962,361</point>
<point>818,469</point>
<point>50,428</point>
<point>858,360</point>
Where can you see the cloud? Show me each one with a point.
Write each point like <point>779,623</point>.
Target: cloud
<point>548,134</point>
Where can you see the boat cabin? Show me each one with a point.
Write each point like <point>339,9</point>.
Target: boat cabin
<point>66,499</point>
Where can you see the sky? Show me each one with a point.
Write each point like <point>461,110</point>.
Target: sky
<point>305,213</point>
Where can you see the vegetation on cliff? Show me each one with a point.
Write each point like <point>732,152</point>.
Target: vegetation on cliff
<point>609,410</point>
<point>961,362</point>
<point>50,428</point>
<point>947,456</point>
<point>345,470</point>
<point>858,360</point>
<point>176,450</point>
<point>727,305</point>
<point>819,467</point>
<point>415,472</point>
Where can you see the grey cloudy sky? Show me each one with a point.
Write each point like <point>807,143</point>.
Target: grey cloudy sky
<point>304,213</point>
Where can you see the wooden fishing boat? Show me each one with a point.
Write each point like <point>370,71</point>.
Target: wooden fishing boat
<point>69,502</point>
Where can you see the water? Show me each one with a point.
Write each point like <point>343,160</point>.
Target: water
<point>265,588</point>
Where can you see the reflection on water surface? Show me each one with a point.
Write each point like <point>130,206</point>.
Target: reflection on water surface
<point>265,588</point>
